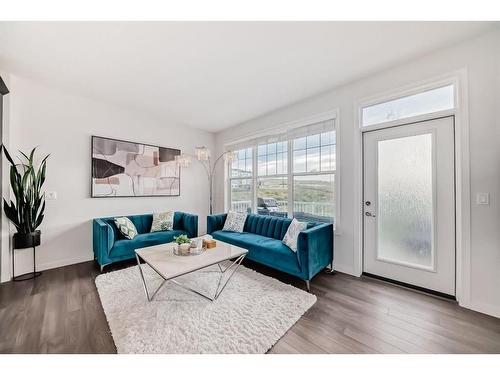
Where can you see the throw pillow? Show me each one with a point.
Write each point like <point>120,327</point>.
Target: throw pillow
<point>235,222</point>
<point>162,221</point>
<point>126,226</point>
<point>292,234</point>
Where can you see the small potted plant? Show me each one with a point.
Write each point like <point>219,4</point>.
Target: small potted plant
<point>183,244</point>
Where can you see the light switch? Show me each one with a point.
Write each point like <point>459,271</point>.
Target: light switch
<point>51,195</point>
<point>483,199</point>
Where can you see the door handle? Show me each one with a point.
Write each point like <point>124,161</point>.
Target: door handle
<point>369,214</point>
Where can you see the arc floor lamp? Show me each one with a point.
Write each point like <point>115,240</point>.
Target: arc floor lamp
<point>203,155</point>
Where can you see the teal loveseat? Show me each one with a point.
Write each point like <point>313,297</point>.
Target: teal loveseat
<point>262,236</point>
<point>111,246</point>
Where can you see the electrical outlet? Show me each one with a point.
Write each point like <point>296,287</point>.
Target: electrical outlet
<point>483,199</point>
<point>50,195</point>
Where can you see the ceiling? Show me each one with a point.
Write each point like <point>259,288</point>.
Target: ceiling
<point>213,75</point>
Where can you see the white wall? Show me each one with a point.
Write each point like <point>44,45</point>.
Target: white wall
<point>61,124</point>
<point>481,58</point>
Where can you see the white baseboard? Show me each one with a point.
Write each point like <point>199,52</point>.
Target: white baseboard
<point>344,269</point>
<point>486,308</point>
<point>5,277</point>
<point>64,262</point>
<point>55,264</point>
<point>483,308</point>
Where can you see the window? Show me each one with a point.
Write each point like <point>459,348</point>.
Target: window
<point>241,181</point>
<point>429,101</point>
<point>295,174</point>
<point>314,153</point>
<point>272,196</point>
<point>272,182</point>
<point>313,177</point>
<point>272,158</point>
<point>314,197</point>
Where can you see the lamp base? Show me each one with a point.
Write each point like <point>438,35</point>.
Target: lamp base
<point>27,276</point>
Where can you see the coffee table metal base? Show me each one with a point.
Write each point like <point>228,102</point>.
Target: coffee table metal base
<point>220,285</point>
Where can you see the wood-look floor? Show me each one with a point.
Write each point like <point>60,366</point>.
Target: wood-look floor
<point>60,312</point>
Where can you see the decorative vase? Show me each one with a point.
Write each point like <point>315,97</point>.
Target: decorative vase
<point>27,240</point>
<point>182,249</point>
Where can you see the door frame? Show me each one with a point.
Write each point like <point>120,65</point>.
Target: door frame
<point>462,170</point>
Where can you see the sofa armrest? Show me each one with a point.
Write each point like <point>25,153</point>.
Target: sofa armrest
<point>190,224</point>
<point>103,238</point>
<point>215,222</point>
<point>315,249</point>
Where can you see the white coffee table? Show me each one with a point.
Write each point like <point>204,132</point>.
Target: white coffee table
<point>168,266</point>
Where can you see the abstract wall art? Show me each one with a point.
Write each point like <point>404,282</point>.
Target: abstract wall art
<point>129,169</point>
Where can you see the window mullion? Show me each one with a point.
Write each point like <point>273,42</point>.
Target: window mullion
<point>290,177</point>
<point>254,179</point>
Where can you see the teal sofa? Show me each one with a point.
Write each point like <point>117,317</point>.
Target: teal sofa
<point>111,246</point>
<point>262,236</point>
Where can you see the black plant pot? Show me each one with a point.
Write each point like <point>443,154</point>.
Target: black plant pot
<point>23,241</point>
<point>26,240</point>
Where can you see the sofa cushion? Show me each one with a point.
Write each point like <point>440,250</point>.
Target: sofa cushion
<point>292,234</point>
<point>126,247</point>
<point>235,222</point>
<point>162,221</point>
<point>126,227</point>
<point>265,250</point>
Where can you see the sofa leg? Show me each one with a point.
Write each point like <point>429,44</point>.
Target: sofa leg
<point>308,286</point>
<point>329,269</point>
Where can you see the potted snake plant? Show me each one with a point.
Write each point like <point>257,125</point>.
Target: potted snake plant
<point>27,212</point>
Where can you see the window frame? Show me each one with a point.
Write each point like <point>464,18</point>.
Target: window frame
<point>459,78</point>
<point>252,177</point>
<point>405,96</point>
<point>406,92</point>
<point>330,115</point>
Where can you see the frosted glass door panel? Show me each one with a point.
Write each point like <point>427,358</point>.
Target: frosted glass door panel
<point>405,201</point>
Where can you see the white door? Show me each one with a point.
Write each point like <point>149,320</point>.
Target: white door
<point>409,204</point>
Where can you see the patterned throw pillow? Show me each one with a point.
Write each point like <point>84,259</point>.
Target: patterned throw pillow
<point>162,221</point>
<point>292,234</point>
<point>235,222</point>
<point>125,226</point>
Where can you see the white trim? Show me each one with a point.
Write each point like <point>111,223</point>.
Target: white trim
<point>485,308</point>
<point>58,263</point>
<point>338,166</point>
<point>462,169</point>
<point>462,197</point>
<point>405,92</point>
<point>255,176</point>
<point>342,268</point>
<point>289,181</point>
<point>64,262</point>
<point>407,120</point>
<point>358,193</point>
<point>281,128</point>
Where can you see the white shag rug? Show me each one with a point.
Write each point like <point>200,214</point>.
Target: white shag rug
<point>252,313</point>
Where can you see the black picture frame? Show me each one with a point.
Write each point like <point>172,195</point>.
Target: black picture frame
<point>92,195</point>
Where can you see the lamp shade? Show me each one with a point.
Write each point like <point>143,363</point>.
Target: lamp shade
<point>202,153</point>
<point>183,160</point>
<point>230,156</point>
